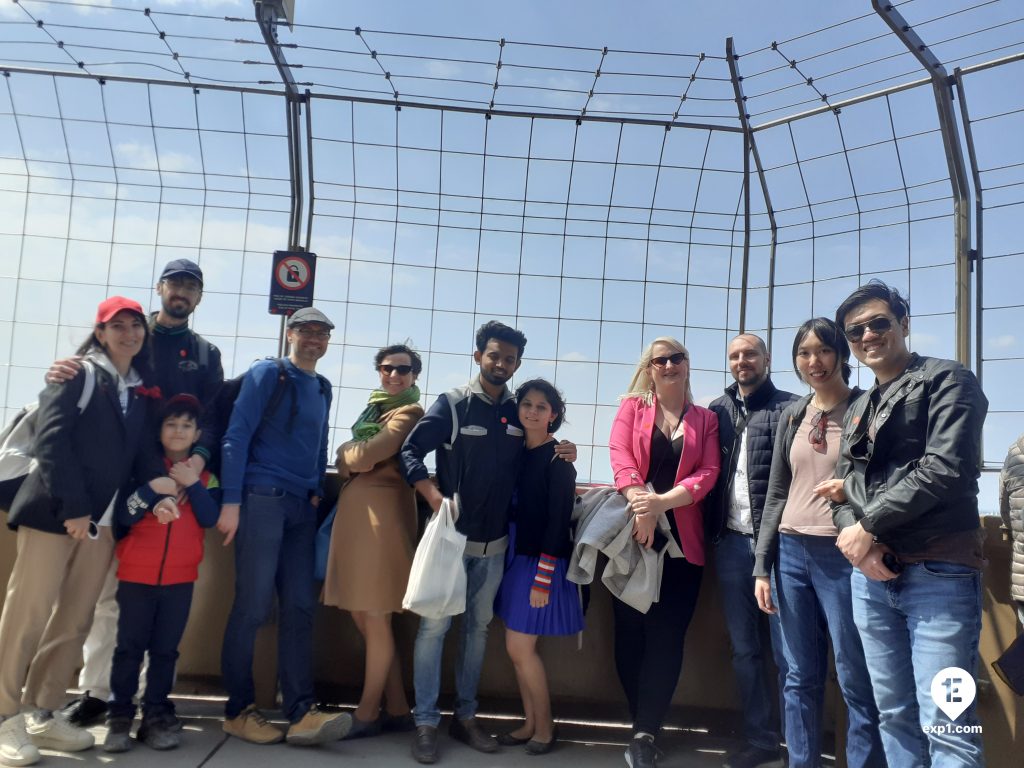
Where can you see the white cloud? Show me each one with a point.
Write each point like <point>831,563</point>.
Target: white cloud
<point>1005,341</point>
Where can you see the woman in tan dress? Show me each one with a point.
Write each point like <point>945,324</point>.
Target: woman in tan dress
<point>374,531</point>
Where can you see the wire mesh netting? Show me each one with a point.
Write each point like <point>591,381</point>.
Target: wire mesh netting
<point>593,197</point>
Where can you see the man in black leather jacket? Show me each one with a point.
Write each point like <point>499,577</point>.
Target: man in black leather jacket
<point>907,512</point>
<point>748,414</point>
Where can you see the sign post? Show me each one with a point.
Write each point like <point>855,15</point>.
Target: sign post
<point>291,281</point>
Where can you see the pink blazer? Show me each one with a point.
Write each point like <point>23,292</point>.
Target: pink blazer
<point>630,450</point>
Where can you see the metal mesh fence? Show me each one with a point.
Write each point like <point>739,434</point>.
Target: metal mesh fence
<point>594,198</point>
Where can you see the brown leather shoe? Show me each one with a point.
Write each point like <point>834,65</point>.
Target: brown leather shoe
<point>424,746</point>
<point>469,732</point>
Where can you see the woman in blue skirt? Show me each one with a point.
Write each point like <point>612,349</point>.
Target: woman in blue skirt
<point>535,598</point>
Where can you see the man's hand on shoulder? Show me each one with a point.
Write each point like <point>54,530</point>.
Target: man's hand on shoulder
<point>566,451</point>
<point>64,370</point>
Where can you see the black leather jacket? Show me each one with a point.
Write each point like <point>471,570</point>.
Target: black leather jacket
<point>920,478</point>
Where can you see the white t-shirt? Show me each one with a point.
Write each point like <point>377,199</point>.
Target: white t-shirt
<point>740,518</point>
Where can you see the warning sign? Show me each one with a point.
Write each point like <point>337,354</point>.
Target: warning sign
<point>291,283</point>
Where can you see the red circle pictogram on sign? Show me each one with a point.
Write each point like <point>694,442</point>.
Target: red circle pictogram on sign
<point>292,273</point>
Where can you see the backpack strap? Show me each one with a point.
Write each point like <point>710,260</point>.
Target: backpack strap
<point>88,387</point>
<point>275,400</point>
<point>455,398</point>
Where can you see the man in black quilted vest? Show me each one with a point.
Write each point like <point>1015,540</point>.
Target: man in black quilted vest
<point>748,414</point>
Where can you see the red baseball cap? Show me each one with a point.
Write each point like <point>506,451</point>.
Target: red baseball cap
<point>110,307</point>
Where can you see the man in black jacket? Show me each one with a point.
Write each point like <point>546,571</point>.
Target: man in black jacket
<point>183,363</point>
<point>907,512</point>
<point>748,414</point>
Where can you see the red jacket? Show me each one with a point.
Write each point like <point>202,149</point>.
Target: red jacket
<point>158,554</point>
<point>630,450</point>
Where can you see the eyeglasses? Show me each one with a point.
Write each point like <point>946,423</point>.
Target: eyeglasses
<point>663,360</point>
<point>401,370</point>
<point>816,437</point>
<point>877,325</point>
<point>183,286</point>
<point>310,333</point>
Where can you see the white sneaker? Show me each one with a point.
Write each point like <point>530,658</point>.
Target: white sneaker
<point>57,733</point>
<point>15,746</point>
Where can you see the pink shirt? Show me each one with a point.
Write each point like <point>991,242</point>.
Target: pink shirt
<point>630,449</point>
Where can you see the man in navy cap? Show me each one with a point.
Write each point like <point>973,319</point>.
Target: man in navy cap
<point>184,363</point>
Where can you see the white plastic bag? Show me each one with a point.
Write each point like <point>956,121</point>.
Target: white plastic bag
<point>437,580</point>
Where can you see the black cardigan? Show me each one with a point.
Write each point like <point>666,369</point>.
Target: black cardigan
<point>84,459</point>
<point>780,480</point>
<point>545,494</point>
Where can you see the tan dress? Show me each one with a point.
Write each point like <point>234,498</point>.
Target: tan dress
<point>372,539</point>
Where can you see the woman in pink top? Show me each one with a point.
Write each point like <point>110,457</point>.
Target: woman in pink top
<point>664,453</point>
<point>798,539</point>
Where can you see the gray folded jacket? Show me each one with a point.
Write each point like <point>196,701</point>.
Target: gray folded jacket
<point>605,525</point>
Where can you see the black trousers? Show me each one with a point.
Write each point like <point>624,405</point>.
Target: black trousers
<point>649,646</point>
<point>152,619</point>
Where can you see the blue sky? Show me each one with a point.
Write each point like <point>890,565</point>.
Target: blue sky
<point>593,239</point>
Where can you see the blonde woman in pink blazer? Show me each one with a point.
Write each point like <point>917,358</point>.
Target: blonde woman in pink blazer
<point>664,453</point>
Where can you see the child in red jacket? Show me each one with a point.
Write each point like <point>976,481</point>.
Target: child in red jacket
<point>159,550</point>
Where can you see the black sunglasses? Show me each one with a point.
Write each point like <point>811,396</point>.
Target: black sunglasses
<point>663,360</point>
<point>877,325</point>
<point>388,369</point>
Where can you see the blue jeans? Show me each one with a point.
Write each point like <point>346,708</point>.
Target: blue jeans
<point>734,563</point>
<point>813,581</point>
<point>483,576</point>
<point>912,627</point>
<point>273,549</point>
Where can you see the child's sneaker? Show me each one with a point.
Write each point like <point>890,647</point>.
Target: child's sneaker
<point>52,731</point>
<point>16,748</point>
<point>119,734</point>
<point>156,733</point>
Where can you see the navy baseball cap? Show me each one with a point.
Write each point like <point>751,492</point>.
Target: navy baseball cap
<point>182,267</point>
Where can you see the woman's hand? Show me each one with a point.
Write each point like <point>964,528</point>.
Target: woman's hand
<point>831,489</point>
<point>763,594</point>
<point>643,529</point>
<point>646,503</point>
<point>538,598</point>
<point>166,511</point>
<point>77,527</point>
<point>566,451</point>
<point>854,542</point>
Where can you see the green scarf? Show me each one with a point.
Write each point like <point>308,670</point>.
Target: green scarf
<point>368,424</point>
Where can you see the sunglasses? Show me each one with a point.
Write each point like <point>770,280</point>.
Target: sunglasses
<point>816,437</point>
<point>877,325</point>
<point>401,370</point>
<point>663,360</point>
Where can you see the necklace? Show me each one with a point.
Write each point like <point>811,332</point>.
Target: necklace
<point>664,417</point>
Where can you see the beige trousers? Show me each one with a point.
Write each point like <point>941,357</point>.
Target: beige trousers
<point>47,613</point>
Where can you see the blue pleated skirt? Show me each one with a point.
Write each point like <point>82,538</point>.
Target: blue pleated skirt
<point>561,616</point>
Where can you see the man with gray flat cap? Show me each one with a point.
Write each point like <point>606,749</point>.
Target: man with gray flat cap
<point>274,455</point>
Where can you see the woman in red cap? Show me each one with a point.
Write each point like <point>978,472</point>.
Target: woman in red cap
<point>93,434</point>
